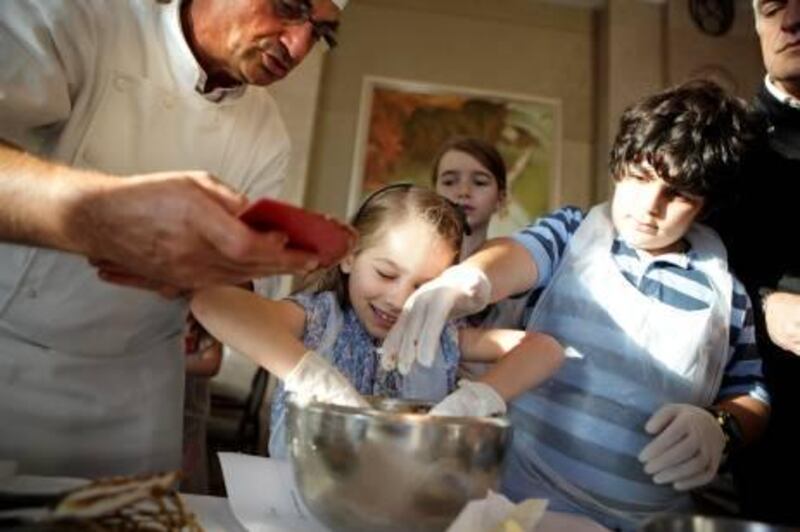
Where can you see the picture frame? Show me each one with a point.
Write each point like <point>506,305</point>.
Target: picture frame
<point>403,123</point>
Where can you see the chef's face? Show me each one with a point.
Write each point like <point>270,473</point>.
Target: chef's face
<point>778,27</point>
<point>263,40</point>
<point>648,213</point>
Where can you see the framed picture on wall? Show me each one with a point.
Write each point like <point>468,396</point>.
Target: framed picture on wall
<point>403,123</point>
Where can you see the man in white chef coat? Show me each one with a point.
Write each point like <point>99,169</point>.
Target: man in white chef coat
<point>130,133</point>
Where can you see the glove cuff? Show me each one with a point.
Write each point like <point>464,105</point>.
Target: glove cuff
<point>490,401</point>
<point>475,284</point>
<point>308,364</point>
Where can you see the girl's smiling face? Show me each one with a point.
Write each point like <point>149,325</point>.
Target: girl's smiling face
<point>384,275</point>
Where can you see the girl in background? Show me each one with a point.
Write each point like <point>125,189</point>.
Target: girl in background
<point>323,342</point>
<point>471,173</point>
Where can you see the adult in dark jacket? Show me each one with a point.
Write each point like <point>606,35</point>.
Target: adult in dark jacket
<point>763,238</point>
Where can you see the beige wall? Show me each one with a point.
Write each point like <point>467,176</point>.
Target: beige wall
<point>595,60</point>
<point>525,48</point>
<point>733,60</point>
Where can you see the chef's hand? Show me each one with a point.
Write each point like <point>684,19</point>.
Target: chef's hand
<point>688,447</point>
<point>471,399</point>
<point>460,290</point>
<point>782,314</point>
<point>179,230</point>
<point>315,379</point>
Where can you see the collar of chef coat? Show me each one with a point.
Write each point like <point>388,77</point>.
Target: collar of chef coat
<point>187,71</point>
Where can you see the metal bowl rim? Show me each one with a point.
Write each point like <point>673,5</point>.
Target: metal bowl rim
<point>385,416</point>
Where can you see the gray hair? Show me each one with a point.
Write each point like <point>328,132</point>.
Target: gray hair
<point>756,15</point>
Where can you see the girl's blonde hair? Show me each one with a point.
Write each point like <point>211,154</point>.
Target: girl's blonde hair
<point>386,208</point>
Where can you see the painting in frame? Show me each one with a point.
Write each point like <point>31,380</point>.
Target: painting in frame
<point>403,123</point>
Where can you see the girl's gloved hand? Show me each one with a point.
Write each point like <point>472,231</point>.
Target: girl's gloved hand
<point>688,448</point>
<point>471,399</point>
<point>460,290</point>
<point>314,378</point>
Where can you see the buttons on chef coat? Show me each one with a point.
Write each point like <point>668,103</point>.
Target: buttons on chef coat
<point>120,83</point>
<point>168,102</point>
<point>87,157</point>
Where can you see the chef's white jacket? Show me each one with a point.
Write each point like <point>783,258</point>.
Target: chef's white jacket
<point>91,374</point>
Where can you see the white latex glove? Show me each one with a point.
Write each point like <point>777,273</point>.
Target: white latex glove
<point>314,378</point>
<point>471,399</point>
<point>688,449</point>
<point>460,290</point>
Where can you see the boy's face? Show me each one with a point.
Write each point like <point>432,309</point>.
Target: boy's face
<point>648,213</point>
<point>384,275</point>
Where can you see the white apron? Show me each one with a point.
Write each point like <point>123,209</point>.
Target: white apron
<point>577,437</point>
<point>91,374</point>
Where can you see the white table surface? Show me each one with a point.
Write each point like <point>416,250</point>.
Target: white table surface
<point>215,515</point>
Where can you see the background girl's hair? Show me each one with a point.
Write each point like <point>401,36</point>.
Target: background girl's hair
<point>478,149</point>
<point>386,208</point>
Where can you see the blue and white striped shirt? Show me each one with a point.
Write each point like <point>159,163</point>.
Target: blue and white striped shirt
<point>669,278</point>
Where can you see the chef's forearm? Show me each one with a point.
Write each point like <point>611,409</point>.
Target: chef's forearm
<point>41,201</point>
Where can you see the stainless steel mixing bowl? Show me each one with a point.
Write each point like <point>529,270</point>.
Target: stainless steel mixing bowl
<point>391,467</point>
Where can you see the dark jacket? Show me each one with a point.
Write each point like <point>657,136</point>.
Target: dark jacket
<point>762,233</point>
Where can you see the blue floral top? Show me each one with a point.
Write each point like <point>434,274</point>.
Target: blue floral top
<point>339,336</point>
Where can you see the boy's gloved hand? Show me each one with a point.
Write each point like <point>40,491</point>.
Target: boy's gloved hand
<point>688,449</point>
<point>471,399</point>
<point>314,378</point>
<point>460,290</point>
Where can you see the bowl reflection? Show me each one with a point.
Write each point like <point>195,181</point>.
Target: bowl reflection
<point>391,467</point>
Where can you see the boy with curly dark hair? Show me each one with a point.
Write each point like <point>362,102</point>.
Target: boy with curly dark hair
<point>662,379</point>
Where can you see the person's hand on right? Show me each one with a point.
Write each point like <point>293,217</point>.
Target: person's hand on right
<point>460,290</point>
<point>176,230</point>
<point>782,314</point>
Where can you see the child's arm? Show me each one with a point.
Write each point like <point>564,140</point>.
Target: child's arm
<point>269,333</point>
<point>266,331</point>
<point>524,360</point>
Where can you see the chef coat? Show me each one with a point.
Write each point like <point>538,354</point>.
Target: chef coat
<point>91,374</point>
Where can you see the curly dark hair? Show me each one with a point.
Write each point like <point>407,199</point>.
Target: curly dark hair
<point>696,137</point>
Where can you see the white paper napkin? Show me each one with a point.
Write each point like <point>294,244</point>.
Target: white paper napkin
<point>263,496</point>
<point>495,513</point>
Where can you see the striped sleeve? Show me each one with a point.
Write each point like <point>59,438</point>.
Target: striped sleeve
<point>743,373</point>
<point>546,239</point>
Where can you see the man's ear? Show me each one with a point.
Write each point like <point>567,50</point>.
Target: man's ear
<point>346,266</point>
